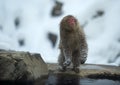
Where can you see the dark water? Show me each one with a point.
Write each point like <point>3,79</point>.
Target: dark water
<point>76,80</point>
<point>98,82</point>
<point>64,80</point>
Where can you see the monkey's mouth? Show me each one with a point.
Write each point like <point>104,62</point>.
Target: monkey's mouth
<point>71,23</point>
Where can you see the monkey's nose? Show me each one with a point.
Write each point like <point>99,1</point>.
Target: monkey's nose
<point>71,23</point>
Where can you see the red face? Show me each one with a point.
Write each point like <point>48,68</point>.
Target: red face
<point>71,21</point>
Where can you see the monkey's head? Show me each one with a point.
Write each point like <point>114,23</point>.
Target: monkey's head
<point>69,23</point>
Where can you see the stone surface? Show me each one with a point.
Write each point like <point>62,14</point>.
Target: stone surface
<point>90,70</point>
<point>90,74</point>
<point>17,68</point>
<point>16,65</point>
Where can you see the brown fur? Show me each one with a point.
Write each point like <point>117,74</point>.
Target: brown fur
<point>73,46</point>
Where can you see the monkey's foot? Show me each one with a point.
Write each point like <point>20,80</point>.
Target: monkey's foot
<point>76,70</point>
<point>67,63</point>
<point>62,69</point>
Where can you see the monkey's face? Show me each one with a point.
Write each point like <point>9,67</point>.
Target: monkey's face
<point>69,23</point>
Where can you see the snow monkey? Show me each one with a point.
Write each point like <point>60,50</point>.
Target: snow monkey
<point>73,46</point>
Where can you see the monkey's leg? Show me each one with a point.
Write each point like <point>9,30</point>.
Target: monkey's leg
<point>76,62</point>
<point>61,60</point>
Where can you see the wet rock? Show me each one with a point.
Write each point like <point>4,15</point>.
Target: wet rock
<point>53,38</point>
<point>21,66</point>
<point>90,74</point>
<point>24,68</point>
<point>90,70</point>
<point>57,9</point>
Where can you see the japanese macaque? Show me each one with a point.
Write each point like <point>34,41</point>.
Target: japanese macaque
<point>73,46</point>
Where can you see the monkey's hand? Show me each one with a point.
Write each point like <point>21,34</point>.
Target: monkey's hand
<point>67,62</point>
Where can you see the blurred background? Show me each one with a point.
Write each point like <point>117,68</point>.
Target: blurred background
<point>33,25</point>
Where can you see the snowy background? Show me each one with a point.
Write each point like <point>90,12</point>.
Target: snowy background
<point>25,25</point>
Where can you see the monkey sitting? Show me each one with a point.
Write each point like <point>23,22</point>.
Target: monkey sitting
<point>73,46</point>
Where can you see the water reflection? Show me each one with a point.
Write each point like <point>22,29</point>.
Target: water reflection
<point>60,79</point>
<point>67,80</point>
<point>87,81</point>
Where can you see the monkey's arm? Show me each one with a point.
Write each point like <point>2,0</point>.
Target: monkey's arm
<point>84,52</point>
<point>65,48</point>
<point>68,55</point>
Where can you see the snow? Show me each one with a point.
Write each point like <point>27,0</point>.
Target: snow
<point>35,22</point>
